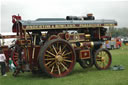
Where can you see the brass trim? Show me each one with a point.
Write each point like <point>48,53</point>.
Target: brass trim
<point>87,35</point>
<point>81,45</point>
<point>33,53</point>
<point>73,45</point>
<point>76,40</point>
<point>92,44</point>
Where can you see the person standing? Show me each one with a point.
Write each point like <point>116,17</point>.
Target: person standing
<point>2,63</point>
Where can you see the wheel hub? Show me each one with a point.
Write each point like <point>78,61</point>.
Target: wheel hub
<point>59,58</point>
<point>103,59</point>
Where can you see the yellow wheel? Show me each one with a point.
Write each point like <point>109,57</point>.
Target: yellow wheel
<point>102,59</point>
<point>57,58</point>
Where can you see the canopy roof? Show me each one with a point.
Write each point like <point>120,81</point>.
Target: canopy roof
<point>64,24</point>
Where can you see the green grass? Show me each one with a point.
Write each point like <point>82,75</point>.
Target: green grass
<point>79,76</point>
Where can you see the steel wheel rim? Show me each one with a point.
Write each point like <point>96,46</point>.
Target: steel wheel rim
<point>103,59</point>
<point>59,59</point>
<point>15,57</point>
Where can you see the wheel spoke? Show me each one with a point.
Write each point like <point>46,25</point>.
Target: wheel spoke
<point>102,53</point>
<point>106,55</point>
<point>99,54</point>
<point>52,69</point>
<point>51,64</point>
<point>50,59</point>
<point>48,63</point>
<point>67,60</point>
<point>98,58</point>
<point>64,47</point>
<point>67,53</point>
<point>106,61</point>
<point>54,49</point>
<point>65,57</point>
<point>63,53</point>
<point>57,46</point>
<point>64,66</point>
<point>60,50</point>
<point>58,69</point>
<point>50,53</point>
<point>100,63</point>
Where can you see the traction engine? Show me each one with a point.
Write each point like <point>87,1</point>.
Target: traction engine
<point>54,45</point>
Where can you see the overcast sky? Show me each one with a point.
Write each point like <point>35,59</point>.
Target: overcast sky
<point>33,9</point>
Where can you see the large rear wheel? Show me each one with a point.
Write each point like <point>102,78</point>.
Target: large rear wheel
<point>57,58</point>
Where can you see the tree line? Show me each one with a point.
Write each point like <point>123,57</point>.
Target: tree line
<point>119,32</point>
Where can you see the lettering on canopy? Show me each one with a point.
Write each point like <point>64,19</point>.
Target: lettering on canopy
<point>32,27</point>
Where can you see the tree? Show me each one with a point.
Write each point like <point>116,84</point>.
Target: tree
<point>116,32</point>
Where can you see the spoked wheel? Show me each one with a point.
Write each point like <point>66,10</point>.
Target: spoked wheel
<point>102,59</point>
<point>57,58</point>
<point>15,55</point>
<point>18,57</point>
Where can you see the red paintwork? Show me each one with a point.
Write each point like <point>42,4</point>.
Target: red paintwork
<point>83,56</point>
<point>53,37</point>
<point>32,62</point>
<point>14,18</point>
<point>61,35</point>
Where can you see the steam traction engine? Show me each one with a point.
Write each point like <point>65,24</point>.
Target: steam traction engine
<point>54,45</point>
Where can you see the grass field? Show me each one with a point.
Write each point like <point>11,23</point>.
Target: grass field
<point>79,76</point>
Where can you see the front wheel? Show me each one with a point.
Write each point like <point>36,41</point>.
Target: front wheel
<point>102,59</point>
<point>57,58</point>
